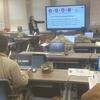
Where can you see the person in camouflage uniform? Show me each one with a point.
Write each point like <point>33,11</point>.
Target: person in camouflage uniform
<point>69,48</point>
<point>80,38</point>
<point>20,32</point>
<point>10,70</point>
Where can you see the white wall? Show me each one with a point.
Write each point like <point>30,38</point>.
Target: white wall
<point>65,2</point>
<point>39,9</point>
<point>17,13</point>
<point>39,12</point>
<point>18,10</point>
<point>1,15</point>
<point>95,12</point>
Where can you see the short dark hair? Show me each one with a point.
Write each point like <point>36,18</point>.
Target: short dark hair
<point>31,18</point>
<point>3,43</point>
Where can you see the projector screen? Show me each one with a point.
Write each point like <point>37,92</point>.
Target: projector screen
<point>65,17</point>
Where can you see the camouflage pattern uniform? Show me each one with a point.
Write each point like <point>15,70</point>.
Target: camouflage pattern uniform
<point>47,67</point>
<point>10,70</point>
<point>68,45</point>
<point>82,39</point>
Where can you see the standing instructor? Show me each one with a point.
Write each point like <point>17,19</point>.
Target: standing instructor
<point>33,27</point>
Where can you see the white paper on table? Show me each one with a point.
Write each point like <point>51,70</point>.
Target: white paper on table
<point>93,80</point>
<point>97,43</point>
<point>80,72</point>
<point>44,44</point>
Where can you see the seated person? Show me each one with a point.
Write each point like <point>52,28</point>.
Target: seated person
<point>80,38</point>
<point>9,69</point>
<point>20,32</point>
<point>92,94</point>
<point>68,45</point>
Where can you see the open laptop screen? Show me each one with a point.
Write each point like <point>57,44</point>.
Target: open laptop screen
<point>24,60</point>
<point>89,34</point>
<point>70,38</point>
<point>38,60</point>
<point>56,47</point>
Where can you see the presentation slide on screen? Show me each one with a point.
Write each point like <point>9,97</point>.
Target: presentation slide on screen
<point>66,17</point>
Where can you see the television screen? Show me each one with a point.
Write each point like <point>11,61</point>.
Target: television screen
<point>65,17</point>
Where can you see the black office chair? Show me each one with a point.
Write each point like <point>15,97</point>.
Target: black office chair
<point>6,91</point>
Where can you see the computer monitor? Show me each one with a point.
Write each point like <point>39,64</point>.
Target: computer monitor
<point>24,61</point>
<point>89,34</point>
<point>38,60</point>
<point>64,17</point>
<point>56,47</point>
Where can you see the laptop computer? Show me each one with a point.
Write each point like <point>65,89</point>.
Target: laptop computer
<point>89,34</point>
<point>24,61</point>
<point>38,60</point>
<point>56,48</point>
<point>71,38</point>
